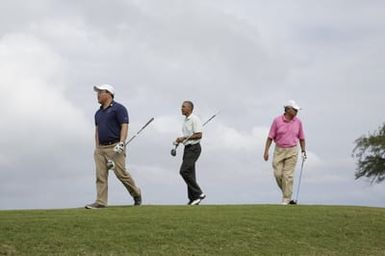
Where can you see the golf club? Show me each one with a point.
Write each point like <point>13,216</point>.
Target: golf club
<point>110,162</point>
<point>173,151</point>
<point>299,181</point>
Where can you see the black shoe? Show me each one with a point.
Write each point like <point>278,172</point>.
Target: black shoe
<point>137,200</point>
<point>201,197</point>
<point>292,202</point>
<point>95,206</point>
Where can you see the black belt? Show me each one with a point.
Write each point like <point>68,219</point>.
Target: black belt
<point>108,142</point>
<point>190,145</point>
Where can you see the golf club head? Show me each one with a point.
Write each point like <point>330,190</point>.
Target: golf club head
<point>293,202</point>
<point>173,151</point>
<point>110,164</point>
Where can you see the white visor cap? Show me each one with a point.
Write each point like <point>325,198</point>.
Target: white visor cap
<point>106,87</point>
<point>293,104</point>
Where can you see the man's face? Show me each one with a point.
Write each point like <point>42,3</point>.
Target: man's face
<point>103,96</point>
<point>186,109</point>
<point>292,111</point>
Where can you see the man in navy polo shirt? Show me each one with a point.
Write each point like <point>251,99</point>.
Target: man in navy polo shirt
<point>111,121</point>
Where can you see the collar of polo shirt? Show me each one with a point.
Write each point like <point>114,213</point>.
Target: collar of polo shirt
<point>188,117</point>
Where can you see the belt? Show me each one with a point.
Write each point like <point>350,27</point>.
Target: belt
<point>108,142</point>
<point>190,145</point>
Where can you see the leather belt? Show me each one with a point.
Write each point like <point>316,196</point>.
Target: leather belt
<point>108,143</point>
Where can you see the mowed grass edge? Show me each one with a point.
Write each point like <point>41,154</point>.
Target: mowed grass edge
<point>195,230</point>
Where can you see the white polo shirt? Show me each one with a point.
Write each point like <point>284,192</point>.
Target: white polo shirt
<point>192,124</point>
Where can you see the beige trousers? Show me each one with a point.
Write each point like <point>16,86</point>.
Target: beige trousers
<point>284,162</point>
<point>101,156</point>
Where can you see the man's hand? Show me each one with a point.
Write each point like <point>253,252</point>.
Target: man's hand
<point>110,164</point>
<point>180,139</point>
<point>304,156</point>
<point>266,156</point>
<point>119,148</point>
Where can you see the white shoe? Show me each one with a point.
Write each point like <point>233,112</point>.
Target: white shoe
<point>285,201</point>
<point>196,201</point>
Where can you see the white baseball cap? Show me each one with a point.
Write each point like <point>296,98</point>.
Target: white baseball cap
<point>106,87</point>
<point>293,104</point>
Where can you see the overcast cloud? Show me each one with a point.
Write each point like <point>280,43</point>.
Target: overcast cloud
<point>245,58</point>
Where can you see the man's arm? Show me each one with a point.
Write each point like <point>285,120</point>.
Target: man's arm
<point>119,148</point>
<point>194,136</point>
<point>96,136</point>
<point>123,132</point>
<point>267,147</point>
<point>303,147</point>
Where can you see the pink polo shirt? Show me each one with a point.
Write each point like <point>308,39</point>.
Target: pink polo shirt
<point>286,133</point>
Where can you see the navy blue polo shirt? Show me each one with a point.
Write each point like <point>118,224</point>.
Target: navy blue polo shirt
<point>109,122</point>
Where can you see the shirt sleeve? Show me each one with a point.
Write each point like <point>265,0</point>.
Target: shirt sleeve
<point>197,125</point>
<point>273,130</point>
<point>122,115</point>
<point>301,134</point>
<point>95,118</point>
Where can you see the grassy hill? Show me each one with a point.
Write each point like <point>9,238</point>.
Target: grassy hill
<point>195,230</point>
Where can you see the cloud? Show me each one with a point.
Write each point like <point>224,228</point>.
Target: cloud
<point>35,108</point>
<point>43,128</point>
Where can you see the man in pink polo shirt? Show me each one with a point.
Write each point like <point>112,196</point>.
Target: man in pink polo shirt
<point>286,130</point>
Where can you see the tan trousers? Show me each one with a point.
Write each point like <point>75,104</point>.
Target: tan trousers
<point>284,162</point>
<point>101,155</point>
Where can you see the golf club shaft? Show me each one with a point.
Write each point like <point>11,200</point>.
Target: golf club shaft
<point>299,179</point>
<point>210,119</point>
<point>141,129</point>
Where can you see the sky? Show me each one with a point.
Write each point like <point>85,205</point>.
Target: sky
<point>243,58</point>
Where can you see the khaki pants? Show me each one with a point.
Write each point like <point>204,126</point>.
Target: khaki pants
<point>101,155</point>
<point>284,162</point>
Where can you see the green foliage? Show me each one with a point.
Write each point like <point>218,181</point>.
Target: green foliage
<point>202,230</point>
<point>370,152</point>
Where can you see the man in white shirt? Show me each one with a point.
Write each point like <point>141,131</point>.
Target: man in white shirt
<point>192,134</point>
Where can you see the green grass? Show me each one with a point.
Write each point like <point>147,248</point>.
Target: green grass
<point>199,230</point>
